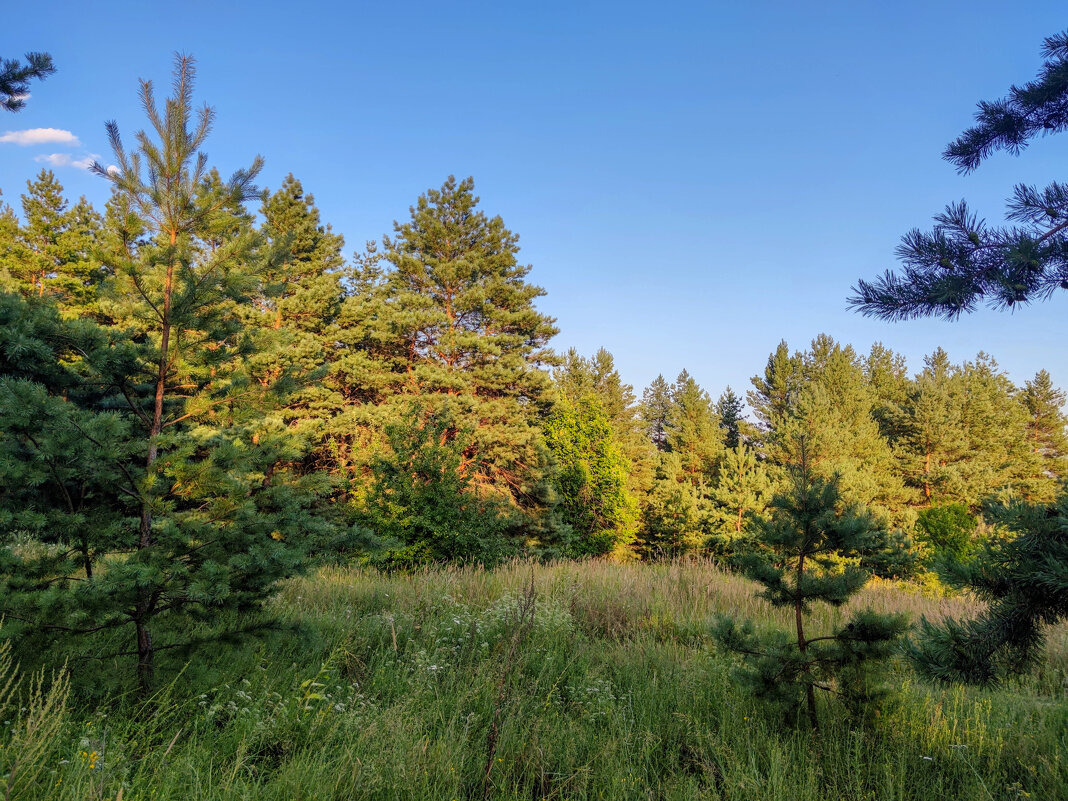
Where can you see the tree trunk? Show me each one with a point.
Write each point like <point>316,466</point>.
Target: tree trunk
<point>145,659</point>
<point>927,477</point>
<point>144,599</point>
<point>802,645</point>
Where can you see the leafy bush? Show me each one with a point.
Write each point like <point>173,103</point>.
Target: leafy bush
<point>948,529</point>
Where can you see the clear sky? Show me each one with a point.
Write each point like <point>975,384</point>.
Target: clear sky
<point>692,182</point>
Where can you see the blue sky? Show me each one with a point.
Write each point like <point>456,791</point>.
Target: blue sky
<point>692,182</point>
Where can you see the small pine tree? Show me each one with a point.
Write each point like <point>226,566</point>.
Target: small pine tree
<point>219,517</point>
<point>801,562</point>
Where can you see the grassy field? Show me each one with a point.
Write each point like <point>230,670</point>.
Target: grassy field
<point>600,682</point>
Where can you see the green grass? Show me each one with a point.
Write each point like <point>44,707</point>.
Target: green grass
<point>384,687</point>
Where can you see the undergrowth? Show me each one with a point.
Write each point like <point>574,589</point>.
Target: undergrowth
<point>566,681</point>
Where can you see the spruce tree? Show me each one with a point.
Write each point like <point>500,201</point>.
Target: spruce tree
<point>656,403</point>
<point>732,419</point>
<point>775,393</point>
<point>802,544</point>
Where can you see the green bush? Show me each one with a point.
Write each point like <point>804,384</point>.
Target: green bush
<point>948,529</point>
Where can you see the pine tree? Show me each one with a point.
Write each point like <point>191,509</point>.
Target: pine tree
<point>742,488</point>
<point>579,377</point>
<point>297,306</point>
<point>823,395</point>
<point>932,440</point>
<point>692,429</point>
<point>886,374</point>
<point>424,505</point>
<point>303,289</point>
<point>671,520</point>
<point>451,319</point>
<point>804,540</point>
<point>995,423</point>
<point>68,477</point>
<point>52,252</point>
<point>221,516</point>
<point>1047,436</point>
<point>10,249</point>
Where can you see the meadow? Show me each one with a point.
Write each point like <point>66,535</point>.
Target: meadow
<point>570,680</point>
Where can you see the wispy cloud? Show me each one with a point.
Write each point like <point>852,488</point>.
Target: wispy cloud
<point>40,136</point>
<point>67,160</point>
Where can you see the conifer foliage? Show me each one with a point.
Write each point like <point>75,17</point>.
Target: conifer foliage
<point>964,262</point>
<point>1023,575</point>
<point>455,322</point>
<point>800,562</point>
<point>207,514</point>
<point>15,78</point>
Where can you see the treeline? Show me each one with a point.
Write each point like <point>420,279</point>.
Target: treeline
<point>199,394</point>
<point>417,383</point>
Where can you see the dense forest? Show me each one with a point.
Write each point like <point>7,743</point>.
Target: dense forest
<point>215,423</point>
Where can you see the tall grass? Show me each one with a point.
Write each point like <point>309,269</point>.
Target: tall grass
<point>564,681</point>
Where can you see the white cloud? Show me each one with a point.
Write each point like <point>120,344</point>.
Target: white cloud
<point>67,160</point>
<point>40,136</point>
